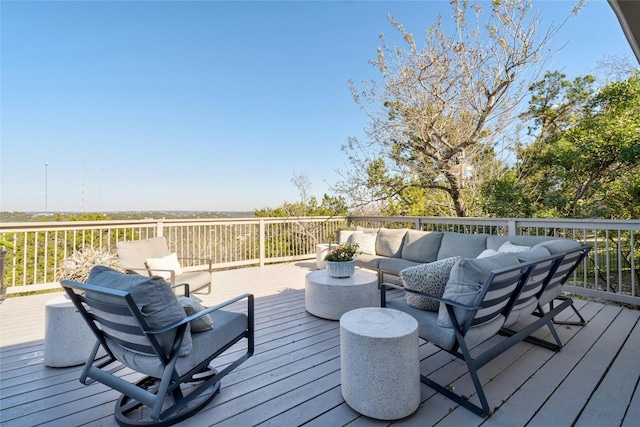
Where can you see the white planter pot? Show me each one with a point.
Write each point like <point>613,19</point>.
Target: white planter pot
<point>341,269</point>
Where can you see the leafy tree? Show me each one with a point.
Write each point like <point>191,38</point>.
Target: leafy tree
<point>329,206</point>
<point>585,159</point>
<point>441,108</point>
<point>308,205</point>
<point>302,233</point>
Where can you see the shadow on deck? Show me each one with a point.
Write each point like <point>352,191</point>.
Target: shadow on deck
<point>294,377</point>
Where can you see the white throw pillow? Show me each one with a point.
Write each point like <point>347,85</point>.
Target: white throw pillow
<point>366,242</point>
<point>429,279</point>
<point>169,262</point>
<point>487,253</point>
<point>510,248</point>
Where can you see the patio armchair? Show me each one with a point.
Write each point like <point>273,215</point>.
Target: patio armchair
<point>142,325</point>
<point>153,257</point>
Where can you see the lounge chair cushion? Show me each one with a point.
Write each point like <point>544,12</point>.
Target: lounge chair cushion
<point>134,253</point>
<point>228,326</point>
<point>169,262</point>
<point>465,284</point>
<point>193,306</point>
<point>152,295</point>
<point>421,246</point>
<point>428,278</point>
<point>389,242</point>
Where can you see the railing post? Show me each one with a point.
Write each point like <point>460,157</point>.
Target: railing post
<point>262,243</point>
<point>3,288</point>
<point>160,228</point>
<point>512,227</point>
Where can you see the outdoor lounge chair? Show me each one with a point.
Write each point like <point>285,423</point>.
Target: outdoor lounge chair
<point>153,257</point>
<point>479,297</point>
<point>142,326</point>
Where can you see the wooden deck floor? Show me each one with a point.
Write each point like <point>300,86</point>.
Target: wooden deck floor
<point>294,377</point>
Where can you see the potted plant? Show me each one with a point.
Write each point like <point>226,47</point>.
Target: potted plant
<point>341,260</point>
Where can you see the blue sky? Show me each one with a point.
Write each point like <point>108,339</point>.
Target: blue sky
<point>207,105</point>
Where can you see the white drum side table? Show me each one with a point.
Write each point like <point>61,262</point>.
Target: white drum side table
<point>380,363</point>
<point>321,252</point>
<point>68,340</point>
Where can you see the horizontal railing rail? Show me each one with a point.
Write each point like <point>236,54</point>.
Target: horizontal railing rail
<point>36,251</point>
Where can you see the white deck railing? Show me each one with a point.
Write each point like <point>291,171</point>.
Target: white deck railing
<point>611,271</point>
<point>37,250</point>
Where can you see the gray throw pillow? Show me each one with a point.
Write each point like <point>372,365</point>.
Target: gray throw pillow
<point>465,284</point>
<point>389,242</point>
<point>154,299</point>
<point>193,306</point>
<point>428,279</point>
<point>421,246</point>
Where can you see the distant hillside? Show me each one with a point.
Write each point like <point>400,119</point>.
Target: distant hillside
<point>15,216</point>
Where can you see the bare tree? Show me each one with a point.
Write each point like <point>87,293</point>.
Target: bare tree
<point>440,109</point>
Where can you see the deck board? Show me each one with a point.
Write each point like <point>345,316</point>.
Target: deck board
<point>294,377</point>
<point>611,400</point>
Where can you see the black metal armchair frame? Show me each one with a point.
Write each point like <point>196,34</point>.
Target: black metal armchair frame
<point>144,402</point>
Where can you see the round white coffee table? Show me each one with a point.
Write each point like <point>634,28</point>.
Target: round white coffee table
<point>380,362</point>
<point>329,297</point>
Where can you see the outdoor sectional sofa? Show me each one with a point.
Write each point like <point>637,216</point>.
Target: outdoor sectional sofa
<point>392,250</point>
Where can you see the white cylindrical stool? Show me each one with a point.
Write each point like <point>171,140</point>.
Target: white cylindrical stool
<point>67,340</point>
<point>321,252</point>
<point>380,366</point>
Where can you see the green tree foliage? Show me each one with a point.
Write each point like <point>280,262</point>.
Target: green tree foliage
<point>308,205</point>
<point>440,108</point>
<point>301,233</point>
<point>585,159</point>
<point>88,216</point>
<point>329,206</point>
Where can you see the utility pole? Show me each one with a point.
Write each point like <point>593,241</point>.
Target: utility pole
<point>46,187</point>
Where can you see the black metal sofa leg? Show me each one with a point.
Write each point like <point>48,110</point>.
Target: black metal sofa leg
<point>581,322</point>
